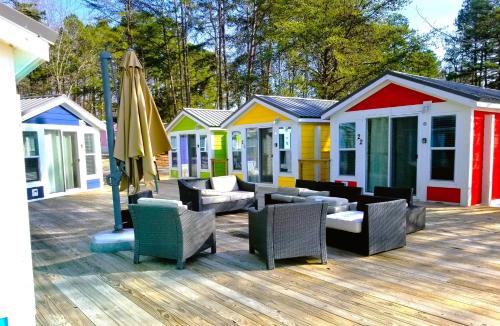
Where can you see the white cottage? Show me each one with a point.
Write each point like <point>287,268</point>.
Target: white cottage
<point>62,147</point>
<point>439,137</point>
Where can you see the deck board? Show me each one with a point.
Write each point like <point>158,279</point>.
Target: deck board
<point>448,274</point>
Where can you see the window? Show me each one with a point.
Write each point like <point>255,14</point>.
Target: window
<point>443,147</point>
<point>347,151</point>
<point>31,156</point>
<point>237,145</point>
<point>90,154</point>
<point>173,143</point>
<point>285,140</point>
<point>203,152</point>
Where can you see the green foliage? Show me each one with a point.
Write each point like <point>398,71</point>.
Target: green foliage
<point>473,54</point>
<point>218,53</point>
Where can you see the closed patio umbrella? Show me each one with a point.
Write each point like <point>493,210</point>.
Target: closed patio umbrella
<point>140,131</point>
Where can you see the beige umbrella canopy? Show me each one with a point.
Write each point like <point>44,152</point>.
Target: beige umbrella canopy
<point>141,134</point>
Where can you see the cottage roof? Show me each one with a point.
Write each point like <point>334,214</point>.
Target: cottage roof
<point>299,107</point>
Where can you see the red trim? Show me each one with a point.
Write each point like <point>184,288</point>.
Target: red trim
<point>450,195</point>
<point>349,183</point>
<point>477,157</point>
<point>393,95</point>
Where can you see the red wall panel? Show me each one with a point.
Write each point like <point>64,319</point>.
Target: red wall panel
<point>495,191</point>
<point>450,195</point>
<point>393,95</point>
<point>477,157</point>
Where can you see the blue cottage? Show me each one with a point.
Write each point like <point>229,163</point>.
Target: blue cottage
<point>62,147</point>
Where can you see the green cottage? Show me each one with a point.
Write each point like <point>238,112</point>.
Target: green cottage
<point>199,144</point>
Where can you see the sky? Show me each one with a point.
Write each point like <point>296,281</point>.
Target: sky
<point>422,14</point>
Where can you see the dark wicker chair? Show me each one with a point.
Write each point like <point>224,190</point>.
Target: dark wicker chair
<point>415,215</point>
<point>288,231</point>
<point>190,195</point>
<point>161,231</point>
<point>383,227</point>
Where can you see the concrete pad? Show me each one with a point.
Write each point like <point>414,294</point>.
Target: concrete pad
<point>111,241</point>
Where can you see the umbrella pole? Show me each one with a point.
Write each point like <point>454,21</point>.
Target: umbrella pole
<point>115,172</point>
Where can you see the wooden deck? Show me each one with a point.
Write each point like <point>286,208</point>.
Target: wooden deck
<point>447,274</point>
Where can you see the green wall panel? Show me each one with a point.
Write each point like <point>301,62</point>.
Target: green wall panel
<point>204,175</point>
<point>185,124</point>
<point>220,151</point>
<point>174,173</point>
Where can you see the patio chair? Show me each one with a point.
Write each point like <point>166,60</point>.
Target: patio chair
<point>376,225</point>
<point>415,215</point>
<point>288,231</point>
<point>164,229</point>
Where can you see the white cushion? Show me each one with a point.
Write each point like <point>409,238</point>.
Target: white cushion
<point>338,209</point>
<point>288,191</point>
<point>304,192</point>
<point>349,221</point>
<point>238,195</point>
<point>224,184</point>
<point>281,197</point>
<point>211,192</point>
<point>205,200</point>
<point>167,202</point>
<point>332,201</point>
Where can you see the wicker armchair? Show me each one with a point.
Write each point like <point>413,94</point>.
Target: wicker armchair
<point>383,227</point>
<point>415,215</point>
<point>288,231</point>
<point>170,232</point>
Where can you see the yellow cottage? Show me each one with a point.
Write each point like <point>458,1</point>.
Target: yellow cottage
<point>275,139</point>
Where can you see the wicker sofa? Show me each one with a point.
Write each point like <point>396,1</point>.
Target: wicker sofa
<point>415,215</point>
<point>336,189</point>
<point>222,194</point>
<point>166,229</point>
<point>375,225</point>
<point>288,231</point>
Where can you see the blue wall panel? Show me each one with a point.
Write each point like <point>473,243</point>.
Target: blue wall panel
<point>56,116</point>
<point>35,193</point>
<point>4,321</point>
<point>92,184</point>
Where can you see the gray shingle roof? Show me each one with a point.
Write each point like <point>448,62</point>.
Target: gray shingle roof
<point>473,92</point>
<point>298,106</point>
<point>210,117</point>
<point>30,103</point>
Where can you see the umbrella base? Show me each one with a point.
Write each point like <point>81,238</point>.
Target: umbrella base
<point>110,241</point>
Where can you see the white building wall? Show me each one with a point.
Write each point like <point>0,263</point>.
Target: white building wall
<point>424,112</point>
<point>17,299</point>
<point>44,162</point>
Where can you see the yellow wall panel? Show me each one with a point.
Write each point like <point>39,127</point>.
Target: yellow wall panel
<point>286,182</point>
<point>258,114</point>
<point>238,175</point>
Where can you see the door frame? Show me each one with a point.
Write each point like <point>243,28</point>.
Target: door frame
<point>76,167</point>
<point>362,130</point>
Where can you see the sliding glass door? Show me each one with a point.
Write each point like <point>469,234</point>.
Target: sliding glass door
<point>377,153</point>
<point>55,164</point>
<point>391,141</point>
<point>71,160</point>
<point>266,155</point>
<point>404,152</point>
<point>253,155</point>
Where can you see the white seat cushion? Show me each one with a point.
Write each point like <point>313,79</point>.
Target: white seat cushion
<point>239,195</point>
<point>166,202</point>
<point>288,191</point>
<point>349,221</point>
<point>332,201</point>
<point>211,192</point>
<point>206,200</point>
<point>304,192</point>
<point>224,184</point>
<point>338,209</point>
